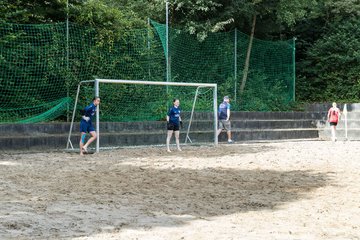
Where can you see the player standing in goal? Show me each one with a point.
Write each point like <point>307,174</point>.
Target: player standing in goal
<point>86,125</point>
<point>173,124</point>
<point>224,118</point>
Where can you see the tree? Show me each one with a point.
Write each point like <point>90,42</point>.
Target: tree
<point>278,13</point>
<point>32,11</point>
<point>329,64</point>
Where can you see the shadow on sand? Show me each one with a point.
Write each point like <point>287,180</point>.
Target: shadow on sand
<point>83,198</point>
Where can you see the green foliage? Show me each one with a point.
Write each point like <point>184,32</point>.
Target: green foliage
<point>327,48</point>
<point>32,11</point>
<point>334,76</point>
<point>49,67</point>
<point>263,94</point>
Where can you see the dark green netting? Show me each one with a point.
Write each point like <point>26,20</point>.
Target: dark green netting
<point>271,76</point>
<point>41,66</point>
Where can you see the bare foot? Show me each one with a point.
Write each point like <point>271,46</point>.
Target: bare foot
<point>84,149</point>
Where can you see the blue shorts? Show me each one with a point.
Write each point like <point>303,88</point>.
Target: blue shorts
<point>86,127</point>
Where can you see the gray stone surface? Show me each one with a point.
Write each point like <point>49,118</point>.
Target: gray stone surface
<point>246,126</point>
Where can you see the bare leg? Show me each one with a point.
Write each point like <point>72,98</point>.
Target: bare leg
<point>333,133</point>
<point>229,136</point>
<point>177,135</point>
<point>93,137</point>
<point>169,135</point>
<point>82,141</point>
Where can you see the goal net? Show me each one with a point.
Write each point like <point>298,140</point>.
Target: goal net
<point>133,112</point>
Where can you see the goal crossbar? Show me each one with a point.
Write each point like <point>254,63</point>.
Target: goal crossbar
<point>214,85</point>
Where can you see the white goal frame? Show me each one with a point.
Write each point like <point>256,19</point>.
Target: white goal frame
<point>140,82</point>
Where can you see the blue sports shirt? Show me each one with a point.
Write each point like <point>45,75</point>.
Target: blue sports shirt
<point>223,107</point>
<point>174,115</point>
<point>90,111</point>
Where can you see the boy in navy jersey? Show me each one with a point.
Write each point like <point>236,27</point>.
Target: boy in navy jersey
<point>86,125</point>
<point>173,124</point>
<point>224,118</point>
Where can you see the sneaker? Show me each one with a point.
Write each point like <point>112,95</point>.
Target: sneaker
<point>230,141</point>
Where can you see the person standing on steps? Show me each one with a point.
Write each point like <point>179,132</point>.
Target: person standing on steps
<point>333,117</point>
<point>86,125</point>
<point>224,118</point>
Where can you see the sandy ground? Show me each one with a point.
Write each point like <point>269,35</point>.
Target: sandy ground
<point>283,190</point>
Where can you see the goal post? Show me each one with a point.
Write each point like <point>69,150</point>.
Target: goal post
<point>190,99</point>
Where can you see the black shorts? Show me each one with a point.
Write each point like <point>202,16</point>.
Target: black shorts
<point>333,123</point>
<point>173,127</point>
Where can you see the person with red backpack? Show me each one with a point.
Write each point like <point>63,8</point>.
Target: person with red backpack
<point>333,117</point>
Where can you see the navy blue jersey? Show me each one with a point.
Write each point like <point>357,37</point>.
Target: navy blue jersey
<point>90,111</point>
<point>174,115</point>
<point>223,107</point>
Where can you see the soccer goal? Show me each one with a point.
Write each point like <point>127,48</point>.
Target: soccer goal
<point>135,110</point>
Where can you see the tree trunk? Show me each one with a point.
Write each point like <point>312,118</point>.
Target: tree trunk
<point>247,60</point>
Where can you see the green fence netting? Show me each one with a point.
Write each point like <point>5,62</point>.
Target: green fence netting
<point>41,66</point>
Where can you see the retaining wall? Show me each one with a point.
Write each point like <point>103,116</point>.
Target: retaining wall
<point>246,126</point>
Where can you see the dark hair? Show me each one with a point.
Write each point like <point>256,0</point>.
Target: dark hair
<point>174,100</point>
<point>94,98</point>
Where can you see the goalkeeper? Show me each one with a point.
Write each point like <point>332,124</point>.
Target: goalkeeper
<point>86,125</point>
<point>173,124</point>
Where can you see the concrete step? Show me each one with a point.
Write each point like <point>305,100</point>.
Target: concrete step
<point>45,143</point>
<point>61,128</point>
<point>351,116</point>
<point>34,129</point>
<point>324,107</point>
<point>43,129</point>
<point>266,115</point>
<point>274,134</point>
<point>352,134</point>
<point>246,126</point>
<point>273,124</point>
<point>58,141</point>
<point>350,124</point>
<point>255,124</point>
<point>207,136</point>
<point>341,124</point>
